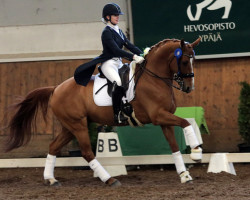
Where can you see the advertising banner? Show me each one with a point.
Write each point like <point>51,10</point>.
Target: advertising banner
<point>222,25</point>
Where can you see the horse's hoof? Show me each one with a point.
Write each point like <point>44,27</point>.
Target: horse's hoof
<point>116,183</point>
<point>112,182</point>
<point>52,182</point>
<point>196,154</point>
<point>189,182</point>
<point>185,177</point>
<point>56,184</point>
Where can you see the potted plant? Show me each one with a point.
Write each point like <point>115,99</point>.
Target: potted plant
<point>244,117</point>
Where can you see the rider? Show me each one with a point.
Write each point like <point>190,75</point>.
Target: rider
<point>113,40</point>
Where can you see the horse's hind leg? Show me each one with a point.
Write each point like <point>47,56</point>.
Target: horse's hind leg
<point>81,133</point>
<point>61,140</point>
<point>178,160</point>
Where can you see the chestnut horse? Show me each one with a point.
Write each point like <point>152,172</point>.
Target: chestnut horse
<point>168,61</point>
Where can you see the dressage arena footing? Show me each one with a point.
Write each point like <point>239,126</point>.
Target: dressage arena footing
<point>217,161</point>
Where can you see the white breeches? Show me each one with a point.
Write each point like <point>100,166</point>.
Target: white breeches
<point>110,70</point>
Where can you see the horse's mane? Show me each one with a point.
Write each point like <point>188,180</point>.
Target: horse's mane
<point>161,43</point>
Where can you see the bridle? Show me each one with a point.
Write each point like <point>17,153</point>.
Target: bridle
<point>178,77</point>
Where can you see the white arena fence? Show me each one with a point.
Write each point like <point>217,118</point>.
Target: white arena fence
<point>122,160</point>
<point>109,154</point>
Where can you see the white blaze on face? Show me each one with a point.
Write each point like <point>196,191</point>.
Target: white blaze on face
<point>191,62</point>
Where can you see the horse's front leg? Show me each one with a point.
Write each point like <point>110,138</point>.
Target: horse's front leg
<point>165,118</point>
<point>196,150</point>
<point>178,160</point>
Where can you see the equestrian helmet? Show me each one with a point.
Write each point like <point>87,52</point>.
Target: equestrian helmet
<point>111,9</point>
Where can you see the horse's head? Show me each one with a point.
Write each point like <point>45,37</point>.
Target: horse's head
<point>181,65</point>
<point>172,59</point>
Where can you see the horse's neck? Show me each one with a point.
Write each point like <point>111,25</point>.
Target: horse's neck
<point>151,91</point>
<point>158,62</point>
<point>151,83</point>
<point>160,59</point>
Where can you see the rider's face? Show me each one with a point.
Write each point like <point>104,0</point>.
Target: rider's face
<point>115,19</point>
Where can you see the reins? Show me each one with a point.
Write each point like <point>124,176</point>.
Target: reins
<point>144,69</point>
<point>166,80</point>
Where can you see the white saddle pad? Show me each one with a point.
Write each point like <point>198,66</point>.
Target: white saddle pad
<point>102,98</point>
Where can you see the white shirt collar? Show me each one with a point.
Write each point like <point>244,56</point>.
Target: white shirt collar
<point>115,27</point>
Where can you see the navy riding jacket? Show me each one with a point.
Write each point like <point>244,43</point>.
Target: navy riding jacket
<point>112,44</point>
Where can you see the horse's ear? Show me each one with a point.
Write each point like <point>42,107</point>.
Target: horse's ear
<point>182,43</point>
<point>196,42</point>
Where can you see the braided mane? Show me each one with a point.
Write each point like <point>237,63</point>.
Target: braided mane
<point>161,43</point>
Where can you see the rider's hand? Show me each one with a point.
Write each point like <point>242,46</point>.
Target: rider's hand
<point>138,59</point>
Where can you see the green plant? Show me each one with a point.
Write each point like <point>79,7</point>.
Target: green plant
<point>244,112</point>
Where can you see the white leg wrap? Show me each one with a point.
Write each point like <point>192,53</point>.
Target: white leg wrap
<point>179,163</point>
<point>99,170</point>
<point>49,167</point>
<point>191,137</point>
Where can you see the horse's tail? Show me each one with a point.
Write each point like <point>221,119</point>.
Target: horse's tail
<point>23,122</point>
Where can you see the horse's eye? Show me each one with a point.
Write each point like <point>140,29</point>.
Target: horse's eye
<point>185,63</point>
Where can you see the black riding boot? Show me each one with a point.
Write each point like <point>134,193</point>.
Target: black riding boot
<point>117,94</point>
